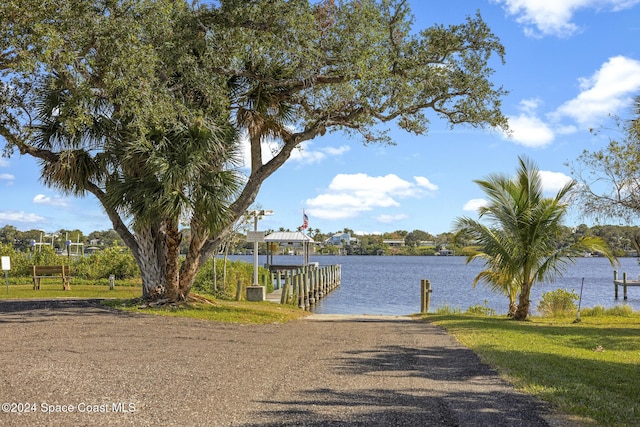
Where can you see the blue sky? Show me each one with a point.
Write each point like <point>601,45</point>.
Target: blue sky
<point>569,64</point>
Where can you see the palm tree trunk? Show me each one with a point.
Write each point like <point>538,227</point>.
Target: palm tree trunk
<point>150,259</point>
<point>191,264</point>
<point>172,272</point>
<point>513,307</point>
<point>524,301</point>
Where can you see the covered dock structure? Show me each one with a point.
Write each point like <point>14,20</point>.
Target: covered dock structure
<point>301,284</point>
<point>290,239</point>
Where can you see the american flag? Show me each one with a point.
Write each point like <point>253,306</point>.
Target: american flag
<point>305,220</point>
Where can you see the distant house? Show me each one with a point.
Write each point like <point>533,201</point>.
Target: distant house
<point>394,242</point>
<point>444,252</point>
<point>340,239</point>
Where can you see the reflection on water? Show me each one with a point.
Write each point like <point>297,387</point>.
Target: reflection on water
<point>391,285</point>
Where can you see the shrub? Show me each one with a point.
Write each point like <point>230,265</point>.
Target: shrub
<point>481,310</point>
<point>557,303</point>
<point>600,311</point>
<point>446,309</point>
<point>21,262</point>
<point>236,271</point>
<point>620,310</point>
<point>596,311</point>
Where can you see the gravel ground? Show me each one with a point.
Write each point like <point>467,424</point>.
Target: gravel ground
<point>73,362</point>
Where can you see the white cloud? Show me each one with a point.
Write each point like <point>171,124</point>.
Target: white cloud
<point>23,217</point>
<point>57,201</point>
<point>337,151</point>
<point>349,195</point>
<point>303,154</point>
<point>7,177</point>
<point>546,17</point>
<point>609,90</point>
<point>530,105</point>
<point>552,182</point>
<point>474,204</point>
<point>527,128</point>
<point>4,162</point>
<point>306,155</point>
<point>424,182</point>
<point>530,131</point>
<point>388,219</point>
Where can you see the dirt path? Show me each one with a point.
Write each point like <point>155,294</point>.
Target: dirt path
<point>113,368</point>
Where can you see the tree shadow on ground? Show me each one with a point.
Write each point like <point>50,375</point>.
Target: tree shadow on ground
<point>28,311</point>
<point>453,389</point>
<point>383,407</point>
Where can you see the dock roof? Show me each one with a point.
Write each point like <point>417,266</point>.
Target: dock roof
<point>289,236</point>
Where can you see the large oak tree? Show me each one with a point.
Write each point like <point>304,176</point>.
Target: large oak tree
<point>142,103</point>
<point>610,177</point>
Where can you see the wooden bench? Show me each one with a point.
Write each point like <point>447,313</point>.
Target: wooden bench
<point>51,272</point>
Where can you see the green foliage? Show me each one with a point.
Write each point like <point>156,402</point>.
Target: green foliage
<point>600,311</point>
<point>612,168</point>
<point>53,289</point>
<point>141,102</point>
<point>589,369</point>
<point>21,262</point>
<point>518,240</point>
<point>558,303</point>
<point>447,310</point>
<point>235,271</point>
<point>481,310</point>
<point>221,311</point>
<point>99,265</point>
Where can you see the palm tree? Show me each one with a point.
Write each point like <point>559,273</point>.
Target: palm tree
<point>180,172</point>
<point>520,242</point>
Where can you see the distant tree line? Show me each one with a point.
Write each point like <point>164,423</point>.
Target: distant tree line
<point>22,241</point>
<point>619,237</point>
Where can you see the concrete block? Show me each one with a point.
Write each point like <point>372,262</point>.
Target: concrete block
<point>256,293</point>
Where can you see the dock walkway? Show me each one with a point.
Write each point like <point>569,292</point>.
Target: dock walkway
<point>624,283</point>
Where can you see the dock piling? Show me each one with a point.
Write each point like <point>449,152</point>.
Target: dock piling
<point>304,286</point>
<point>425,295</point>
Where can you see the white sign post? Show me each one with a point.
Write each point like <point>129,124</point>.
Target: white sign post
<point>6,266</point>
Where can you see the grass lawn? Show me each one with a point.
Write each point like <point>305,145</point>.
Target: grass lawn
<point>53,289</point>
<point>590,369</point>
<point>126,298</point>
<point>222,311</point>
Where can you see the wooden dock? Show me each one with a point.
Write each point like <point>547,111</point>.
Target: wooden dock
<point>303,285</point>
<point>624,283</point>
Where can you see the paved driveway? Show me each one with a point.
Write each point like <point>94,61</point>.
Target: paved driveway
<point>76,363</point>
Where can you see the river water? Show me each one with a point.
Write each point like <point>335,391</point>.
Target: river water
<point>391,284</point>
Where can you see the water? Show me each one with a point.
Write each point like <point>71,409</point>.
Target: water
<point>391,284</point>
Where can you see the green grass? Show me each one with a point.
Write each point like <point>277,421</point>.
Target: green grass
<point>54,290</point>
<point>127,298</point>
<point>221,311</point>
<point>590,369</point>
